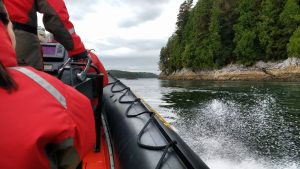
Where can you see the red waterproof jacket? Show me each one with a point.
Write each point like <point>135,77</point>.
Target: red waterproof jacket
<point>38,127</point>
<point>55,19</point>
<point>100,67</point>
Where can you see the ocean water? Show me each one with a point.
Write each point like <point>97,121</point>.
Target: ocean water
<point>231,125</point>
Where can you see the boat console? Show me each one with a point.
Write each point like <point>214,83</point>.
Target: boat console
<point>54,55</point>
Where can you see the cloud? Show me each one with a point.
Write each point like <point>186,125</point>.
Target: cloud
<point>125,33</point>
<point>118,47</point>
<point>140,11</point>
<point>142,44</point>
<point>80,8</point>
<point>144,64</point>
<point>138,2</point>
<point>141,17</point>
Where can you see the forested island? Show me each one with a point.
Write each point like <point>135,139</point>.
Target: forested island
<point>131,75</point>
<point>216,37</point>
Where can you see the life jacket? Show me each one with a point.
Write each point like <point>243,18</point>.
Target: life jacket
<point>42,120</point>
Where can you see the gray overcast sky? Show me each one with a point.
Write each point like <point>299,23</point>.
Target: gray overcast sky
<point>126,34</point>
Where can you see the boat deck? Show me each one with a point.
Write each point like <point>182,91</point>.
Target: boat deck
<point>97,160</point>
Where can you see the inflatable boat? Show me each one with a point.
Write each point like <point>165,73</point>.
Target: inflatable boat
<point>130,134</point>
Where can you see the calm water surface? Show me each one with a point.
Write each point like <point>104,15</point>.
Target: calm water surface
<point>231,125</point>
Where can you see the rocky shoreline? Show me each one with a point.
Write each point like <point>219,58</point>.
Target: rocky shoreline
<point>286,70</point>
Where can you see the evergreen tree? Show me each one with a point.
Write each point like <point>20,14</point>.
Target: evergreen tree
<point>177,54</point>
<point>293,47</point>
<point>189,41</point>
<point>188,56</point>
<point>227,19</point>
<point>289,20</point>
<point>174,51</point>
<point>164,60</point>
<point>179,41</point>
<point>279,43</point>
<point>267,28</point>
<point>202,19</point>
<point>246,40</point>
<point>216,32</point>
<point>290,16</point>
<point>168,57</point>
<point>182,17</point>
<point>214,46</point>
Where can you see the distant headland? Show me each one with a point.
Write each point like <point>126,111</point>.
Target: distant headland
<point>131,75</point>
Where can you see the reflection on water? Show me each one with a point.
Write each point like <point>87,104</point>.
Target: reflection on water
<point>231,124</point>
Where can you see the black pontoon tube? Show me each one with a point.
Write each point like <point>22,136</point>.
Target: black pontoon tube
<point>140,139</point>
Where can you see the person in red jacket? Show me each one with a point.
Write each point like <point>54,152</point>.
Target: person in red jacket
<point>23,14</point>
<point>44,123</point>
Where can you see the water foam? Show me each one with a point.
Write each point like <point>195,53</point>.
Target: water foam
<point>222,134</point>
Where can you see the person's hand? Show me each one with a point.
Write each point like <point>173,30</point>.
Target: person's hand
<point>80,57</point>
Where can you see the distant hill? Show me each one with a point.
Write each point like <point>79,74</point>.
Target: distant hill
<point>131,75</point>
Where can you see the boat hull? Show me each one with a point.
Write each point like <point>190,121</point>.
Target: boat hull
<point>140,137</point>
